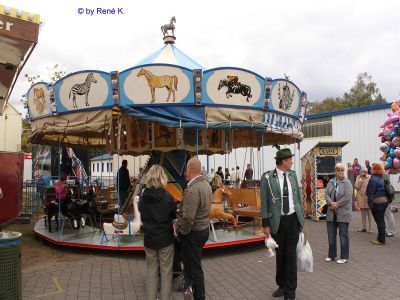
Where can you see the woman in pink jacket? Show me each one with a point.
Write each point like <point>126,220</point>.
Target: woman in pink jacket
<point>362,200</point>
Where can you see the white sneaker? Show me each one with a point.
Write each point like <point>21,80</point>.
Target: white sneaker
<point>83,222</point>
<point>329,259</point>
<point>342,261</point>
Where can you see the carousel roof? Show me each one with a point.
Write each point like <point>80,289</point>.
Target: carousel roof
<point>169,54</point>
<point>167,101</point>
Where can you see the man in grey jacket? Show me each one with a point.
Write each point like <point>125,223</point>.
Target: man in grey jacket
<point>192,226</point>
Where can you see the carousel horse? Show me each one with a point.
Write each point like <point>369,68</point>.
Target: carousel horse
<point>217,208</point>
<point>123,227</point>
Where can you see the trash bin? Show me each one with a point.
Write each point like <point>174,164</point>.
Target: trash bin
<point>10,265</point>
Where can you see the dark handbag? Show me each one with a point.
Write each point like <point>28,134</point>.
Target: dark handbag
<point>389,190</point>
<point>324,209</point>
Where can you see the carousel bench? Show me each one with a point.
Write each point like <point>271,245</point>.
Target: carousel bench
<point>246,203</point>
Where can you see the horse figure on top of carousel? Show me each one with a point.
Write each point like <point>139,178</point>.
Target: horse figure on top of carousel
<point>169,26</point>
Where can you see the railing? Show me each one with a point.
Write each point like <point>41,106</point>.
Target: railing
<point>33,197</point>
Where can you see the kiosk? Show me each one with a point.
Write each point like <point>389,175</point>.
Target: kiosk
<point>317,168</point>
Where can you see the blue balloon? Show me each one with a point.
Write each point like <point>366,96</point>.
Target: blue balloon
<point>391,153</point>
<point>389,162</point>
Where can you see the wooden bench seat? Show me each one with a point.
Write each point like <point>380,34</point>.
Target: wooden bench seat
<point>246,203</point>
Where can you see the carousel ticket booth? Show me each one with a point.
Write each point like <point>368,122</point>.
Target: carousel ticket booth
<point>317,168</point>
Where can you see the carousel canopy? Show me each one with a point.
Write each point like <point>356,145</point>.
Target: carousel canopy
<point>167,102</point>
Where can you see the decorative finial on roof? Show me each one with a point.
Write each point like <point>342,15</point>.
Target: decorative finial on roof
<point>169,38</point>
<point>286,76</point>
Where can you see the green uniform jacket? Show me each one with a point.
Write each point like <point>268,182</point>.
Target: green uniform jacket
<point>271,200</point>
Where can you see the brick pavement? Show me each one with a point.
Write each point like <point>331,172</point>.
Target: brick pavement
<point>243,272</point>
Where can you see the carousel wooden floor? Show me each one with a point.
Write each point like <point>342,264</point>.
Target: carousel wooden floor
<point>89,237</point>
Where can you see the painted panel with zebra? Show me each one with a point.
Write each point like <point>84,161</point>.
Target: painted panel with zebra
<point>83,90</point>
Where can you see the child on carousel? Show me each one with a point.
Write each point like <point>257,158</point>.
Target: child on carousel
<point>63,197</point>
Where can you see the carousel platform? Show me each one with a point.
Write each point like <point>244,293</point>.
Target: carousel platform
<point>93,238</point>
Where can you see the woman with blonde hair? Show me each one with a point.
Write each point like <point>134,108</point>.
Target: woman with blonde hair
<point>158,209</point>
<point>338,195</point>
<point>362,181</point>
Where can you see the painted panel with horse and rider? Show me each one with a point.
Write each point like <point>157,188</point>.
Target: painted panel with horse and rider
<point>233,87</point>
<point>156,84</point>
<point>83,90</point>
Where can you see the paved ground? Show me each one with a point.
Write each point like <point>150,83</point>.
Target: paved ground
<point>231,273</point>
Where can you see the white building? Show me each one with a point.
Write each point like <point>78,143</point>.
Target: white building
<point>102,166</point>
<point>106,166</point>
<point>10,129</point>
<point>359,126</point>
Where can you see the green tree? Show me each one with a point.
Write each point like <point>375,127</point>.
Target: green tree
<point>364,93</point>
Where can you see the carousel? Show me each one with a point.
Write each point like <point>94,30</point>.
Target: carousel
<point>169,108</point>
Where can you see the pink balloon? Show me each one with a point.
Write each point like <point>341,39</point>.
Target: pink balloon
<point>396,163</point>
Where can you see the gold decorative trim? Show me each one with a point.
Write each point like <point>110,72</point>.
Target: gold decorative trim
<point>19,14</point>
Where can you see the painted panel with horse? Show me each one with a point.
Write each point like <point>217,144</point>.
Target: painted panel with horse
<point>234,87</point>
<point>156,84</point>
<point>38,100</point>
<point>83,90</point>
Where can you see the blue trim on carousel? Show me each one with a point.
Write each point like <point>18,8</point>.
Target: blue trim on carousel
<point>349,111</point>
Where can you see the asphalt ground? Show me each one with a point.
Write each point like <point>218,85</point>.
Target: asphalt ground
<point>237,272</point>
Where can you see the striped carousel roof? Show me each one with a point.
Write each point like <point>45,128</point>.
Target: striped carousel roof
<point>169,54</point>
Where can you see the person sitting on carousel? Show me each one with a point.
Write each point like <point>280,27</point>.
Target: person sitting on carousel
<point>63,197</point>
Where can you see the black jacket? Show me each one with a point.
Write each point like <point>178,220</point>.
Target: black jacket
<point>123,179</point>
<point>157,209</point>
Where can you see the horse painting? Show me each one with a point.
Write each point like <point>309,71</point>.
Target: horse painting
<point>169,26</point>
<point>169,82</point>
<point>38,99</point>
<point>82,89</point>
<point>235,87</point>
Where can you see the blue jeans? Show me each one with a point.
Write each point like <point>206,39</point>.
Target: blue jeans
<point>378,212</point>
<point>344,239</point>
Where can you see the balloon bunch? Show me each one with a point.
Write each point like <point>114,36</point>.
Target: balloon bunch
<point>390,138</point>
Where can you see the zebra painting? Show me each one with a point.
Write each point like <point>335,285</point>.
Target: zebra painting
<point>82,89</point>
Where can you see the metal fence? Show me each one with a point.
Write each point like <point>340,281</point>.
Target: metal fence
<point>33,201</point>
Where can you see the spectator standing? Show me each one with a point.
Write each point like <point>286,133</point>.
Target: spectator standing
<point>338,195</point>
<point>390,227</point>
<point>282,216</point>
<point>362,200</point>
<point>248,174</point>
<point>124,183</point>
<point>220,173</point>
<point>210,175</point>
<point>157,210</point>
<point>367,165</point>
<point>233,177</point>
<point>378,201</point>
<point>238,176</point>
<point>193,228</point>
<point>227,177</point>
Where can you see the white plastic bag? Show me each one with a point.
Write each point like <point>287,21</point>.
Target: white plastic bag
<point>271,245</point>
<point>305,260</point>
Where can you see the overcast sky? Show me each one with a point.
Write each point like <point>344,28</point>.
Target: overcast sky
<point>321,45</point>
